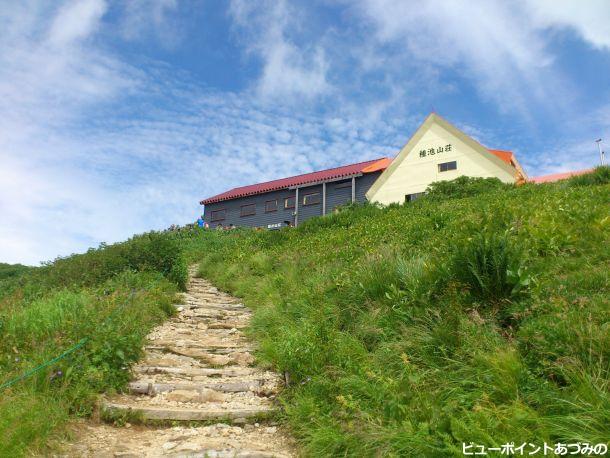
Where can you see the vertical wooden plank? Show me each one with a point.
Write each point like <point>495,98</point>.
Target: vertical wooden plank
<point>323,198</point>
<point>296,208</point>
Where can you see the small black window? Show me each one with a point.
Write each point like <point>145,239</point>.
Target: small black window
<point>412,197</point>
<point>248,210</point>
<point>219,215</point>
<point>311,199</point>
<point>289,202</point>
<point>344,184</point>
<point>446,166</point>
<point>271,206</point>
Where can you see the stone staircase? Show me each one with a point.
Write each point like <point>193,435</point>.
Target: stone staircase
<point>198,367</point>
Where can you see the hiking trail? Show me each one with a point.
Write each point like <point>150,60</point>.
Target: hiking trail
<point>196,388</point>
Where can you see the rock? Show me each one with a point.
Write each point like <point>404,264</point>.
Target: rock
<point>169,445</point>
<point>202,395</point>
<point>208,395</point>
<point>216,360</point>
<point>243,359</point>
<point>183,396</point>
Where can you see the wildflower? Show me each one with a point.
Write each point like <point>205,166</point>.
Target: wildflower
<point>56,374</point>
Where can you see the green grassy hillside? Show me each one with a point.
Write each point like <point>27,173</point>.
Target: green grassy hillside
<point>408,330</point>
<point>100,306</point>
<point>476,314</point>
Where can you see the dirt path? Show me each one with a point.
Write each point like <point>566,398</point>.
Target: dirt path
<point>197,368</point>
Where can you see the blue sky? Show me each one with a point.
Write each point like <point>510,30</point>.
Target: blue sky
<point>118,117</point>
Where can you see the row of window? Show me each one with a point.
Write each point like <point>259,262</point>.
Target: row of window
<point>313,198</point>
<point>270,206</point>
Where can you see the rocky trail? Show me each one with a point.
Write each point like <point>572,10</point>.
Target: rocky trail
<point>196,390</point>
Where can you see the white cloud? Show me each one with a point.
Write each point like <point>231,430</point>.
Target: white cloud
<point>76,20</point>
<point>94,148</point>
<point>288,69</point>
<point>491,43</point>
<point>144,18</point>
<point>75,174</point>
<point>576,152</point>
<point>590,19</point>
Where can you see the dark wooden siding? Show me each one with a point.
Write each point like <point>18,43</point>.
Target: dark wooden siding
<point>335,196</point>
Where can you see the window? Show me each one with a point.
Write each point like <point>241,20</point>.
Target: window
<point>289,202</point>
<point>247,210</point>
<point>446,166</point>
<point>271,206</point>
<point>311,199</point>
<point>412,197</point>
<point>344,184</point>
<point>219,215</point>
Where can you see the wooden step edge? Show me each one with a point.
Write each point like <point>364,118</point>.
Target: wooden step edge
<point>209,350</point>
<point>113,409</point>
<point>194,372</point>
<point>228,453</point>
<point>152,388</point>
<point>221,307</point>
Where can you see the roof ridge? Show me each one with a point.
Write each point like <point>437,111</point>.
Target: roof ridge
<point>248,188</point>
<point>309,173</point>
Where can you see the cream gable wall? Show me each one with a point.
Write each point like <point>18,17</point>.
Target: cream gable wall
<point>409,173</point>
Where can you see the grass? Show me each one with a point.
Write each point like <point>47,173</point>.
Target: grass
<point>478,313</point>
<point>408,330</point>
<point>111,296</point>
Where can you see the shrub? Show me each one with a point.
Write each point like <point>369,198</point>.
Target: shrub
<point>12,270</point>
<point>151,252</point>
<point>464,187</point>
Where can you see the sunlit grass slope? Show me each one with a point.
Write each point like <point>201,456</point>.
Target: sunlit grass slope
<point>408,330</point>
<point>478,313</point>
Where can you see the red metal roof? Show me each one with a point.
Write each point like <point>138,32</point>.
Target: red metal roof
<point>506,156</point>
<point>284,183</point>
<point>559,176</point>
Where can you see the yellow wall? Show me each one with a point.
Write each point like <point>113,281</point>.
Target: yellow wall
<point>412,174</point>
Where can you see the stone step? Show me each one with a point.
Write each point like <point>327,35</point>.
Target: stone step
<point>233,340</point>
<point>208,350</point>
<point>147,412</point>
<point>229,325</point>
<point>231,371</point>
<point>254,385</point>
<point>227,453</point>
<point>215,359</point>
<point>216,348</point>
<point>215,356</point>
<point>223,307</point>
<point>212,315</point>
<point>208,324</point>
